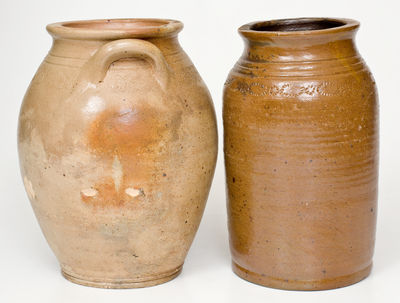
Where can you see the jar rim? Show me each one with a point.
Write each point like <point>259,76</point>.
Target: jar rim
<point>295,27</point>
<point>110,29</point>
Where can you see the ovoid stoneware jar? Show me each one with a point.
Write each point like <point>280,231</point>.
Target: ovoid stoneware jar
<point>301,154</point>
<point>117,144</point>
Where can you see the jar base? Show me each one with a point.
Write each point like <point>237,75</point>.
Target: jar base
<point>124,283</point>
<point>299,284</point>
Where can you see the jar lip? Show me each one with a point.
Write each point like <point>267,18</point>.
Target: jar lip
<point>295,27</point>
<point>110,29</point>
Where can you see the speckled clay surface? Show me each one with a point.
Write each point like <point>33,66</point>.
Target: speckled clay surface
<point>118,143</point>
<point>301,154</point>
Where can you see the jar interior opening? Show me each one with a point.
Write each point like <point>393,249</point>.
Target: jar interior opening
<point>296,25</point>
<point>116,24</point>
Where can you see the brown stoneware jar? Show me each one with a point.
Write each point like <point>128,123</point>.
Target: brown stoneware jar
<point>117,144</point>
<point>301,153</point>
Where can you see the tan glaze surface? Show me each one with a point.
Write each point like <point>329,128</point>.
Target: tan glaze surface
<point>118,143</point>
<point>301,153</point>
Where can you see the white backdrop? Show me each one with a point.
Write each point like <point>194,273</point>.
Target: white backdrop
<point>29,270</point>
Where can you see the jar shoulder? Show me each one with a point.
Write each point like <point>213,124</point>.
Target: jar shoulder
<point>59,108</point>
<point>261,84</point>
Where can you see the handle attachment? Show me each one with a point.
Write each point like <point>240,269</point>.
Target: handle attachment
<point>96,68</point>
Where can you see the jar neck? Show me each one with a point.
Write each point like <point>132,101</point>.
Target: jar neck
<point>83,38</point>
<point>300,48</point>
<point>84,49</point>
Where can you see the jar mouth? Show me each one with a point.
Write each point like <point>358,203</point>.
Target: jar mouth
<point>108,29</point>
<point>297,27</point>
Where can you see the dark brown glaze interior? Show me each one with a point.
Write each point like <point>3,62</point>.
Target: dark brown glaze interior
<point>295,25</point>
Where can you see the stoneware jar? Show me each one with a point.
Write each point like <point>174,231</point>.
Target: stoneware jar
<point>117,145</point>
<point>301,154</point>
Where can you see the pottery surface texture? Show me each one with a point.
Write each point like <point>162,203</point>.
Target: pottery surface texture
<point>117,144</point>
<point>301,153</point>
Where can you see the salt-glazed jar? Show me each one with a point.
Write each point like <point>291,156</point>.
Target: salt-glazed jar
<point>301,154</point>
<point>117,145</point>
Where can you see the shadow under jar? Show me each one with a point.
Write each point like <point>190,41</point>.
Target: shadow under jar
<point>301,154</point>
<point>117,145</point>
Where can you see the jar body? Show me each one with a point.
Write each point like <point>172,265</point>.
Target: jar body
<point>117,172</point>
<point>301,156</point>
